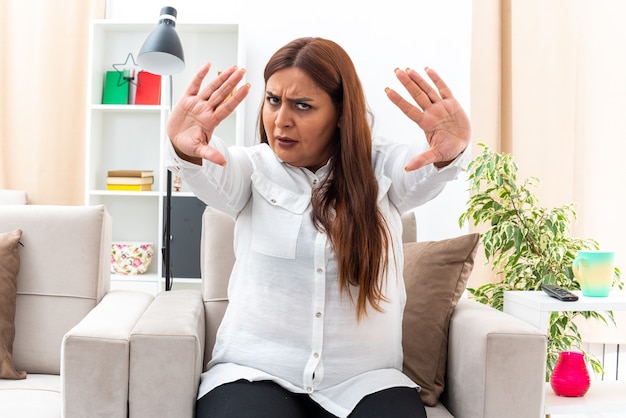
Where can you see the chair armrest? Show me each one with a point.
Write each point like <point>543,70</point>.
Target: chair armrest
<point>496,364</point>
<point>166,354</point>
<point>95,357</point>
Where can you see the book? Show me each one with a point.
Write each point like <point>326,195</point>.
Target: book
<point>148,90</point>
<point>130,173</point>
<point>115,88</point>
<point>130,180</point>
<point>130,187</point>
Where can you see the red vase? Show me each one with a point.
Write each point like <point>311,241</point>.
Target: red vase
<point>570,376</point>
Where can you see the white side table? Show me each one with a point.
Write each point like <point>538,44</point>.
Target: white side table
<point>535,307</point>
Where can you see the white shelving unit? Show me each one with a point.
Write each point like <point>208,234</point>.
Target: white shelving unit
<point>134,137</point>
<point>535,307</point>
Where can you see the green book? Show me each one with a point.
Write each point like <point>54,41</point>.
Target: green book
<point>115,88</point>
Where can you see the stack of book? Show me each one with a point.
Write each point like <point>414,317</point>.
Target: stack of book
<point>130,180</point>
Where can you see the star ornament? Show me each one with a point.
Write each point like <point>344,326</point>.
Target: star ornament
<point>126,71</point>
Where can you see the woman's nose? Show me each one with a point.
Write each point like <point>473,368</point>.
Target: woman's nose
<point>283,117</point>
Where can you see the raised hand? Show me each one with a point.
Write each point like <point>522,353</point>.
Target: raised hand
<point>198,112</point>
<point>438,113</point>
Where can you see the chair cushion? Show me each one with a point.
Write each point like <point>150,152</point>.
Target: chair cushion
<point>9,267</point>
<point>435,274</point>
<point>38,396</point>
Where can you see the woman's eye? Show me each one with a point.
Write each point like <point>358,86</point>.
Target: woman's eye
<point>302,106</point>
<point>272,100</point>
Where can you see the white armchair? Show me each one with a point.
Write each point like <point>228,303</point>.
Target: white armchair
<point>12,197</point>
<point>495,363</point>
<point>71,333</point>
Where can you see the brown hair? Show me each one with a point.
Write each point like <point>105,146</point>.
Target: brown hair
<point>346,205</point>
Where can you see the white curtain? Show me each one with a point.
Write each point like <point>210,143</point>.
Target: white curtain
<point>43,73</point>
<point>549,86</point>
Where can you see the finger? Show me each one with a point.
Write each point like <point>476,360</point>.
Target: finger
<point>215,84</point>
<point>230,103</point>
<point>418,94</point>
<point>407,108</point>
<point>424,86</point>
<point>211,154</point>
<point>427,157</point>
<point>441,85</point>
<point>226,88</point>
<point>194,86</point>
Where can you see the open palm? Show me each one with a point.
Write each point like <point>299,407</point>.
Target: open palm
<point>438,114</point>
<point>199,112</point>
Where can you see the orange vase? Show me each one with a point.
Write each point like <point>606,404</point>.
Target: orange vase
<point>570,376</point>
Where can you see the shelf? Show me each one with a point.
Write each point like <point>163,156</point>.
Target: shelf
<point>182,194</point>
<point>602,397</point>
<point>148,277</point>
<point>126,108</point>
<point>188,280</point>
<point>152,193</point>
<point>109,25</point>
<point>151,283</point>
<point>123,193</point>
<point>145,282</point>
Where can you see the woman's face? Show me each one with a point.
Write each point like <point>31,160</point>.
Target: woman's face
<point>300,119</point>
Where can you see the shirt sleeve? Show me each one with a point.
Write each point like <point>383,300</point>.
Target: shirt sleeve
<point>411,189</point>
<point>226,188</point>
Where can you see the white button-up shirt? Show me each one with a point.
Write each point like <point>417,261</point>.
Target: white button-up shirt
<point>288,320</point>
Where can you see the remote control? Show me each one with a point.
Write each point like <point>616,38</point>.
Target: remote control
<point>559,293</point>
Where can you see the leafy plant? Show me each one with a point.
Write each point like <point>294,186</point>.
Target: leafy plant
<point>527,245</point>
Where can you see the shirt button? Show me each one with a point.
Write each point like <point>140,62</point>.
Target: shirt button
<point>320,271</point>
<point>318,314</point>
<point>316,355</point>
<point>273,201</point>
<point>309,389</point>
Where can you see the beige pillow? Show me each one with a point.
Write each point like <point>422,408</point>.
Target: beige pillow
<point>9,267</point>
<point>435,274</point>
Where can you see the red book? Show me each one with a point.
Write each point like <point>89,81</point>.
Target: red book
<point>148,89</point>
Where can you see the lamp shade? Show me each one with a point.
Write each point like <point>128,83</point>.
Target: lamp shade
<point>162,51</point>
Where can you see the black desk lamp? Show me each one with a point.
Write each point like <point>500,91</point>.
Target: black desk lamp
<point>162,53</point>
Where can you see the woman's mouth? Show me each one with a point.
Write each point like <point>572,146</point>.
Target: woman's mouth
<point>285,142</point>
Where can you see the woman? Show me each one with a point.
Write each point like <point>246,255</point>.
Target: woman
<point>313,326</point>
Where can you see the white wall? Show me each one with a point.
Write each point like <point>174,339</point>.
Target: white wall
<point>379,36</point>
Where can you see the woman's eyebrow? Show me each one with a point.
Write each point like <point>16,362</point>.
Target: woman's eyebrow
<point>291,99</point>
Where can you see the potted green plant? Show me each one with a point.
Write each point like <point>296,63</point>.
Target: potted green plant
<point>526,245</point>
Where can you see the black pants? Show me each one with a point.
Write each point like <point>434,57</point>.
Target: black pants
<point>266,399</point>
